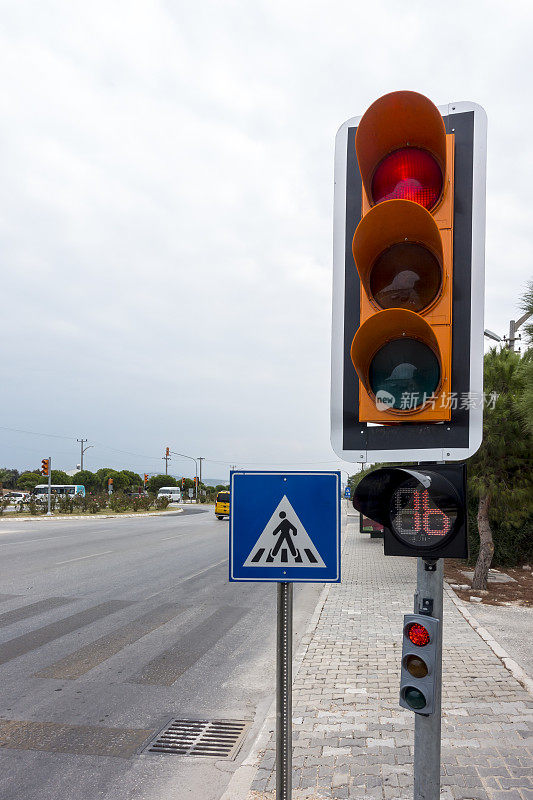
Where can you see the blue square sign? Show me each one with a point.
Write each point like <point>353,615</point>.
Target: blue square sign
<point>285,527</point>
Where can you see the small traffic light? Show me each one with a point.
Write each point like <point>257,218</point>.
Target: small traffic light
<point>420,652</point>
<point>407,345</point>
<point>145,478</point>
<point>167,453</point>
<point>45,466</point>
<point>183,483</point>
<point>422,509</point>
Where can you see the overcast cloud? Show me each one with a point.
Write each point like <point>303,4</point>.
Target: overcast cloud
<point>166,210</point>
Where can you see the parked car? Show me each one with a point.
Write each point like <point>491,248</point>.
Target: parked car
<point>17,497</point>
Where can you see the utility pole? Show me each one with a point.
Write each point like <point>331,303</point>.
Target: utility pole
<point>513,327</point>
<point>200,459</point>
<point>166,459</point>
<point>83,449</point>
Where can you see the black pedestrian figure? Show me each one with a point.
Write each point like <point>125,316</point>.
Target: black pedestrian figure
<point>285,529</point>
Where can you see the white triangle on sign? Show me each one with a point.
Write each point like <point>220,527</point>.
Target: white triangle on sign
<point>284,542</point>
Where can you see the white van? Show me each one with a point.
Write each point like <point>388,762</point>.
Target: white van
<point>172,492</point>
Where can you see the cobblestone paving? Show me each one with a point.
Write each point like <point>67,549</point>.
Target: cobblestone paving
<point>351,738</point>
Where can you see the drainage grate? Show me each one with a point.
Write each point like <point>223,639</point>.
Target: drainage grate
<point>191,737</point>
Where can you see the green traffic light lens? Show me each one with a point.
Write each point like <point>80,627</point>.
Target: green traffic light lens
<point>406,372</point>
<point>414,698</point>
<point>416,666</point>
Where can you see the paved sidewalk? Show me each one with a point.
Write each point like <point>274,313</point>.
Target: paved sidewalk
<point>351,738</point>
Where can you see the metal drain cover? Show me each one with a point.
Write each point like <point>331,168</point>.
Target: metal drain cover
<point>196,737</point>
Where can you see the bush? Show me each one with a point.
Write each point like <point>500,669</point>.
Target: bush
<point>118,503</point>
<point>513,539</point>
<point>141,503</point>
<point>161,503</point>
<point>65,504</point>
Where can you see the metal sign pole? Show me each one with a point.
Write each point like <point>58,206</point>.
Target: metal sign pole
<point>284,694</point>
<point>428,600</point>
<point>49,514</point>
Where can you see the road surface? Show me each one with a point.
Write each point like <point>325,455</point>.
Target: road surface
<point>111,627</point>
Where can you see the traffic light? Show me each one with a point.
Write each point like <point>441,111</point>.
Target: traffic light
<point>407,345</point>
<point>167,452</point>
<point>422,509</point>
<point>145,478</point>
<point>45,466</point>
<point>420,661</point>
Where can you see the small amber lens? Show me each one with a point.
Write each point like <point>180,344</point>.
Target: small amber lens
<point>416,666</point>
<point>406,275</point>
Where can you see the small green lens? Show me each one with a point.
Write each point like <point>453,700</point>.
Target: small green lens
<point>414,698</point>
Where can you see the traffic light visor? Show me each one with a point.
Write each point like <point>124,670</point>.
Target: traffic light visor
<point>397,249</point>
<point>404,370</point>
<point>401,149</point>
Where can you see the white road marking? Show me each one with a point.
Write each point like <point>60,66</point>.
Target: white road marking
<point>29,541</point>
<point>80,558</point>
<point>187,578</point>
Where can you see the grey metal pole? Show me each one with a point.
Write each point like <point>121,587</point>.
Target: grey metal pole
<point>284,694</point>
<point>428,728</point>
<point>49,513</point>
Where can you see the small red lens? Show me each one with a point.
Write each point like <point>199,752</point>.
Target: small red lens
<point>418,634</point>
<point>408,174</point>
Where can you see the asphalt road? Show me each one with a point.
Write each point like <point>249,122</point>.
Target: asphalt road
<point>109,628</point>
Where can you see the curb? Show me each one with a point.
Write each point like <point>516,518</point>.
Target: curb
<point>67,517</point>
<point>509,663</point>
<point>241,780</point>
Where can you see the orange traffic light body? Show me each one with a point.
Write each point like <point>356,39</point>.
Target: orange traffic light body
<point>45,466</point>
<point>403,252</point>
<point>407,344</point>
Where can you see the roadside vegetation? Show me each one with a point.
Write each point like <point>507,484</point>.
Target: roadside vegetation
<point>500,474</point>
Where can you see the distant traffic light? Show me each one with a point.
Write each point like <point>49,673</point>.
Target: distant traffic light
<point>45,466</point>
<point>420,654</point>
<point>407,343</point>
<point>183,483</point>
<point>167,453</point>
<point>422,509</point>
<point>145,478</point>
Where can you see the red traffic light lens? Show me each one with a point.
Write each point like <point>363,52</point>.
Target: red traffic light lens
<point>408,174</point>
<point>418,634</point>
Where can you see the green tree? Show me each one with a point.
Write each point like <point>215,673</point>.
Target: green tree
<point>132,477</point>
<point>87,479</point>
<point>501,471</point>
<point>28,480</point>
<point>157,481</point>
<point>525,401</point>
<point>8,478</point>
<point>59,477</point>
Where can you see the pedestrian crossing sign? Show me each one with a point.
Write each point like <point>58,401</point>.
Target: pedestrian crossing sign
<point>285,526</point>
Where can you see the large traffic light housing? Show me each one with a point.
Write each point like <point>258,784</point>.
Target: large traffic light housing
<point>420,654</point>
<point>422,509</point>
<point>45,466</point>
<point>407,344</point>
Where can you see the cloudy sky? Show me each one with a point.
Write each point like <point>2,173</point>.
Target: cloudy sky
<point>166,211</point>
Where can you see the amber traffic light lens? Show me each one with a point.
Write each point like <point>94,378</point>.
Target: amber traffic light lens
<point>416,666</point>
<point>405,275</point>
<point>409,174</point>
<point>404,373</point>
